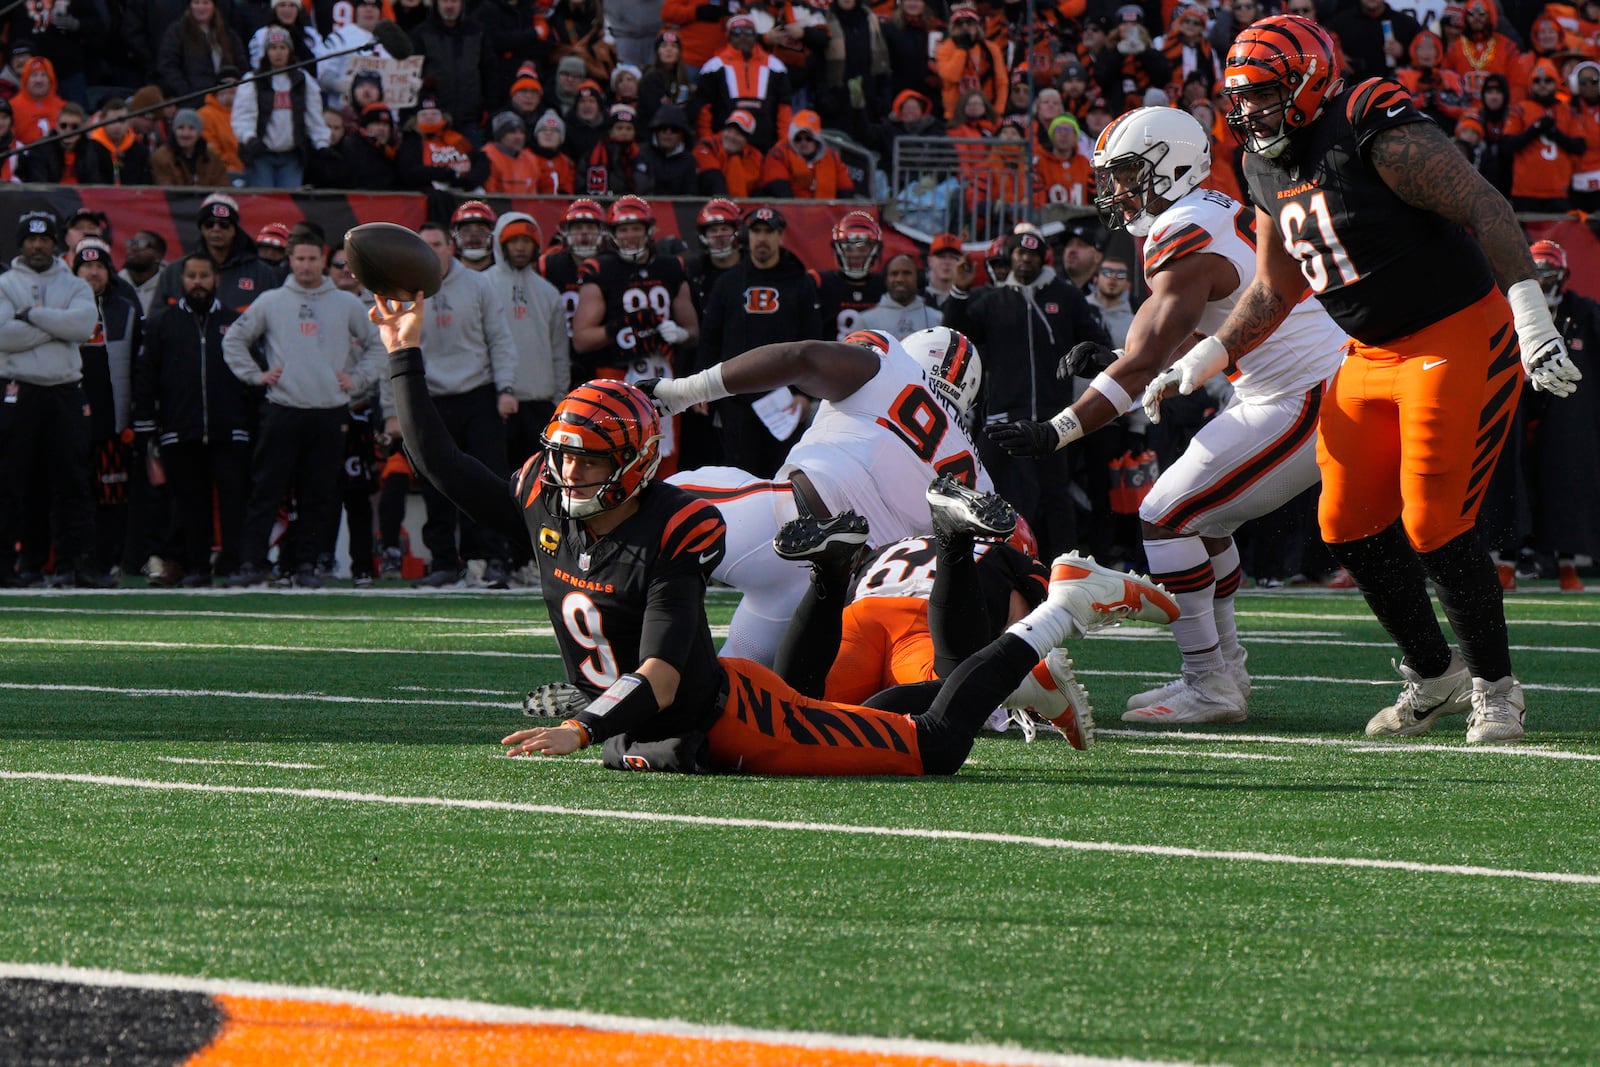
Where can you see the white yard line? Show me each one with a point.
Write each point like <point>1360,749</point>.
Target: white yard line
<point>1463,749</point>
<point>232,694</point>
<point>843,829</point>
<point>479,1012</point>
<point>239,646</point>
<point>247,763</point>
<point>1205,755</point>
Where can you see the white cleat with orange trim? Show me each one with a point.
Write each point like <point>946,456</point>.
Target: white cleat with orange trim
<point>1097,597</point>
<point>1053,693</point>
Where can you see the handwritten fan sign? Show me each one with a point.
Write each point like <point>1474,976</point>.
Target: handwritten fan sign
<point>402,78</point>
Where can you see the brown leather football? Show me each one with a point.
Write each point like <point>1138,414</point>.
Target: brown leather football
<point>392,261</point>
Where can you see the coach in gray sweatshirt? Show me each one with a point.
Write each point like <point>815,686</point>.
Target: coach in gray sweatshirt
<point>45,313</point>
<point>321,349</point>
<point>539,329</point>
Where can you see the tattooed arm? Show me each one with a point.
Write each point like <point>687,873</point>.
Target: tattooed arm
<point>1277,288</point>
<point>1425,170</point>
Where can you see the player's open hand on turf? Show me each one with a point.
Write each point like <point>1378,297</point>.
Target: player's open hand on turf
<point>399,323</point>
<point>543,740</point>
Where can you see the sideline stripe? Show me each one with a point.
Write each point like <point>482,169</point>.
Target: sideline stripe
<point>240,647</point>
<point>915,833</point>
<point>1206,755</point>
<point>246,763</point>
<point>741,1045</point>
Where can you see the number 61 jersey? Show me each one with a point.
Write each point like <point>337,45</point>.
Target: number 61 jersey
<point>1382,268</point>
<point>876,450</point>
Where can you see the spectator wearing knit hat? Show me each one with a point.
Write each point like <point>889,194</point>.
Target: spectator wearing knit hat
<point>556,172</point>
<point>612,168</point>
<point>743,75</point>
<point>1061,174</point>
<point>433,156</point>
<point>667,165</point>
<point>369,149</point>
<point>667,79</point>
<point>569,78</point>
<point>290,15</point>
<point>587,123</point>
<point>278,118</point>
<point>912,115</point>
<point>513,170</point>
<point>967,59</point>
<point>625,85</point>
<point>187,160</point>
<point>1541,179</point>
<point>527,98</point>
<point>728,164</point>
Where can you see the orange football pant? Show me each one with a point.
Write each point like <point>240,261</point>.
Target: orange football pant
<point>1412,429</point>
<point>885,642</point>
<point>767,727</point>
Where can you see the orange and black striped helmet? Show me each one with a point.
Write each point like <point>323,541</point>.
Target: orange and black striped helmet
<point>1290,55</point>
<point>610,420</point>
<point>1550,265</point>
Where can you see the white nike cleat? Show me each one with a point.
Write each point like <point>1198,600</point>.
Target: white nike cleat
<point>1497,711</point>
<point>1199,698</point>
<point>1424,701</point>
<point>1156,695</point>
<point>1097,597</point>
<point>1053,693</point>
<point>1239,673</point>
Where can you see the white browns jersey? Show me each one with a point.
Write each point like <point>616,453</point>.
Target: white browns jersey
<point>876,451</point>
<point>1303,351</point>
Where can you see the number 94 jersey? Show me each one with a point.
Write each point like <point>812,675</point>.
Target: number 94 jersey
<point>876,450</point>
<point>1381,267</point>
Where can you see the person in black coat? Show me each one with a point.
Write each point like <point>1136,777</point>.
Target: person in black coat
<point>457,54</point>
<point>114,154</point>
<point>1023,328</point>
<point>666,165</point>
<point>767,297</point>
<point>197,411</point>
<point>369,150</point>
<point>195,48</point>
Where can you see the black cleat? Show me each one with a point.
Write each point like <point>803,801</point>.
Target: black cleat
<point>959,510</point>
<point>828,543</point>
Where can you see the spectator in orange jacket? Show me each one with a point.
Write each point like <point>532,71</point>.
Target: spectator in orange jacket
<point>513,170</point>
<point>1542,134</point>
<point>1480,51</point>
<point>1187,49</point>
<point>36,108</point>
<point>966,60</point>
<point>805,168</point>
<point>216,116</point>
<point>729,164</point>
<point>556,171</point>
<point>743,75</point>
<point>1061,174</point>
<point>1437,92</point>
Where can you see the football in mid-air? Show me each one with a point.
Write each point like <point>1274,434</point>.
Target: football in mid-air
<point>392,261</point>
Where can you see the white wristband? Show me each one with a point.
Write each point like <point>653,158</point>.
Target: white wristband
<point>1067,427</point>
<point>1112,390</point>
<point>681,394</point>
<point>1529,313</point>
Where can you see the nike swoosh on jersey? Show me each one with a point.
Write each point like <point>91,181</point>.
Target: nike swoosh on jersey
<point>707,557</point>
<point>1429,364</point>
<point>1393,111</point>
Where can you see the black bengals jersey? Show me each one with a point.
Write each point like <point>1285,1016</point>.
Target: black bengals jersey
<point>905,568</point>
<point>560,269</point>
<point>636,593</point>
<point>629,287</point>
<point>844,299</point>
<point>1382,268</point>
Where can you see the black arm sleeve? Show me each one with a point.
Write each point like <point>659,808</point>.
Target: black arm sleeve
<point>470,485</point>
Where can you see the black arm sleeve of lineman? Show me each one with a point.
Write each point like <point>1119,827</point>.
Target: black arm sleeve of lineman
<point>470,485</point>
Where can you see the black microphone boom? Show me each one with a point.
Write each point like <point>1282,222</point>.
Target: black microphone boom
<point>386,33</point>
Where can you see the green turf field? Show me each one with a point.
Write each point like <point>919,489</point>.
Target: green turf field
<point>1278,892</point>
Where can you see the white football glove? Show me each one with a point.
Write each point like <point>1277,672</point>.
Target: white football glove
<point>1544,353</point>
<point>1199,365</point>
<point>672,333</point>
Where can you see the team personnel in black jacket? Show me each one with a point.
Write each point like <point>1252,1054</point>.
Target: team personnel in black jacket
<point>1032,320</point>
<point>766,298</point>
<point>186,398</point>
<point>241,274</point>
<point>623,564</point>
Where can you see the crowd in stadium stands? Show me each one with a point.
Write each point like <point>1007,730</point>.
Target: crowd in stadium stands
<point>234,387</point>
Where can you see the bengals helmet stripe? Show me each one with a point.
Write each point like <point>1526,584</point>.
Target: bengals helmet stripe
<point>1292,53</point>
<point>1549,253</point>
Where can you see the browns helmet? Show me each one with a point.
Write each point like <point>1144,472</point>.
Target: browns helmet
<point>609,420</point>
<point>583,212</point>
<point>857,240</point>
<point>632,209</point>
<point>1286,67</point>
<point>951,363</point>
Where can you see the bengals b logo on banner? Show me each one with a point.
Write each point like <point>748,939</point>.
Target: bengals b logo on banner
<point>759,300</point>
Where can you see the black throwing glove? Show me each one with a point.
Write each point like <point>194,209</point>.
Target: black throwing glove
<point>1025,437</point>
<point>1084,356</point>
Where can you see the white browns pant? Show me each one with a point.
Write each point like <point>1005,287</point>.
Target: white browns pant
<point>1252,458</point>
<point>772,587</point>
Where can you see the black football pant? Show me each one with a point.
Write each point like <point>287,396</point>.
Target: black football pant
<point>475,425</point>
<point>199,476</point>
<point>44,440</point>
<point>300,449</point>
